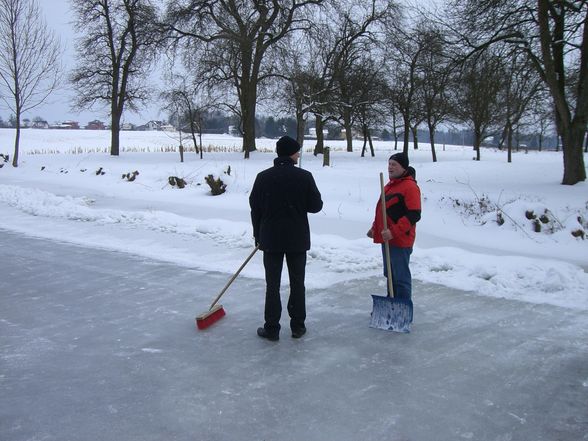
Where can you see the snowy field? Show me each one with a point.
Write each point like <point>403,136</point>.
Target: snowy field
<point>57,192</point>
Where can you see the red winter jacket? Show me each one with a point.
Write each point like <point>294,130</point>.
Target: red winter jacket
<point>403,209</point>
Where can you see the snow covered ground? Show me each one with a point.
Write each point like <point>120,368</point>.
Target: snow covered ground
<point>57,192</point>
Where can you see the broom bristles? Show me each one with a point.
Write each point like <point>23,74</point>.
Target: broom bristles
<point>208,318</point>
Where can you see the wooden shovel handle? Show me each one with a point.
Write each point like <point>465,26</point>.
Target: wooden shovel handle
<point>386,244</point>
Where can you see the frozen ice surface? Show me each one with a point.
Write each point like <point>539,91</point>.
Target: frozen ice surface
<point>97,345</point>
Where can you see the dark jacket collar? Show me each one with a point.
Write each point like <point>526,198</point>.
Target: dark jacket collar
<point>283,160</point>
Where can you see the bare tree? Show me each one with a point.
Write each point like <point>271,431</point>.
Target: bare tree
<point>368,100</point>
<point>543,115</point>
<point>189,101</point>
<point>114,55</point>
<point>554,35</point>
<point>293,87</point>
<point>479,86</point>
<point>355,37</point>
<point>338,39</point>
<point>437,78</point>
<point>521,85</point>
<point>232,39</point>
<point>29,60</point>
<point>405,51</point>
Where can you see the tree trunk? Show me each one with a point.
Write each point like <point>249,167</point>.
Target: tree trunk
<point>503,137</point>
<point>193,130</point>
<point>406,135</point>
<point>320,143</point>
<point>372,151</point>
<point>115,133</point>
<point>300,126</point>
<point>16,140</point>
<point>509,142</point>
<point>248,105</point>
<point>574,170</point>
<point>415,138</point>
<point>348,130</point>
<point>194,139</point>
<point>395,131</point>
<point>248,132</point>
<point>477,142</point>
<point>432,136</point>
<point>364,133</point>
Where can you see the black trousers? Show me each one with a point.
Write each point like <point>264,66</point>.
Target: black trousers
<point>273,263</point>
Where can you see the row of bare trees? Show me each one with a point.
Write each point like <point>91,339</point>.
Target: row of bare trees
<point>491,65</point>
<point>551,35</point>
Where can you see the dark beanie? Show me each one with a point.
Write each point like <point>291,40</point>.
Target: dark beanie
<point>401,158</point>
<point>287,146</point>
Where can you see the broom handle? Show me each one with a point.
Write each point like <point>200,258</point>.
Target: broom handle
<point>386,244</point>
<point>234,276</point>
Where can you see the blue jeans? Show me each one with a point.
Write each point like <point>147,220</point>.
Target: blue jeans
<point>401,276</point>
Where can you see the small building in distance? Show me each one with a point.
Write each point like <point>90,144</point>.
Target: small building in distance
<point>95,125</point>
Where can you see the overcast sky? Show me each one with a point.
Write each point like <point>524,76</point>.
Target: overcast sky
<point>58,108</point>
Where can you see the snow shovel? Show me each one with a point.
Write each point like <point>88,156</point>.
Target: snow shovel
<point>388,312</point>
<point>216,312</point>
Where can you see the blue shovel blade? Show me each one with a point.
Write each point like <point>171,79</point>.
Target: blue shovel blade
<point>391,314</point>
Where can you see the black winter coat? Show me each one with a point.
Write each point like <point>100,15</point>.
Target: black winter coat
<point>280,200</point>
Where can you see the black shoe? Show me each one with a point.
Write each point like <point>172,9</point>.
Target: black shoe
<point>262,332</point>
<point>297,333</point>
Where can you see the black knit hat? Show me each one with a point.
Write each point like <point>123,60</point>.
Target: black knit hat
<point>287,146</point>
<point>401,158</point>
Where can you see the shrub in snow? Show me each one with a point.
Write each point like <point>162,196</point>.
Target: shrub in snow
<point>175,181</point>
<point>476,209</point>
<point>130,176</point>
<point>216,185</point>
<point>483,211</point>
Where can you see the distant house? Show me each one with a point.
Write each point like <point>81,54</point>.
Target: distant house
<point>70,125</point>
<point>167,128</point>
<point>127,126</point>
<point>156,125</point>
<point>153,125</point>
<point>95,125</point>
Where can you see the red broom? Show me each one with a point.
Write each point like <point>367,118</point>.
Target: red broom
<point>216,312</point>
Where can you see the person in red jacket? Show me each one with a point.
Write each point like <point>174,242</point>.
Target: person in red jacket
<point>403,209</point>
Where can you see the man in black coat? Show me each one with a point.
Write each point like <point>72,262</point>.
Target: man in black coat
<point>280,200</point>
